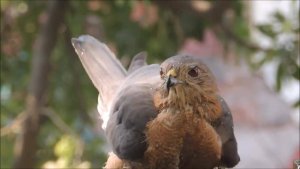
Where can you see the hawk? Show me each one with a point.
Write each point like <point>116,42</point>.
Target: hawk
<point>167,116</point>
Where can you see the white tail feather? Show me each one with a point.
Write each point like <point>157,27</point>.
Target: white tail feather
<point>103,68</point>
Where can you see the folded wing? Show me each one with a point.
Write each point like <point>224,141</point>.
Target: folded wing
<point>224,128</point>
<point>131,111</point>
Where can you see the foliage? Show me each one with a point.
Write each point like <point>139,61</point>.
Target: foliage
<point>68,127</point>
<point>283,34</point>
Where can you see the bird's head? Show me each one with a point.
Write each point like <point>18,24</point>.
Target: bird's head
<point>188,82</point>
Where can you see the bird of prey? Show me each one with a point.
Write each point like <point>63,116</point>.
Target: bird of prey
<point>167,116</point>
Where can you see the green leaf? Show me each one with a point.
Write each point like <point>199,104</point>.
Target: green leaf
<point>279,16</point>
<point>297,103</point>
<point>267,30</point>
<point>296,74</point>
<point>279,76</point>
<point>65,147</point>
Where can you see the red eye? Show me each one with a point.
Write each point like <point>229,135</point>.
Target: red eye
<point>193,72</point>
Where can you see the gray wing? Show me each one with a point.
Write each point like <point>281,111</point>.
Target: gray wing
<point>224,128</point>
<point>138,61</point>
<point>131,111</point>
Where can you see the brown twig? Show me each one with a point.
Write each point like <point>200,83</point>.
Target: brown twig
<point>60,124</point>
<point>14,127</point>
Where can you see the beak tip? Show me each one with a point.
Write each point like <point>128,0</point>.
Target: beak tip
<point>171,81</point>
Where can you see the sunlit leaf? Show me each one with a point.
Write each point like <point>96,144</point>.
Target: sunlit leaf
<point>65,147</point>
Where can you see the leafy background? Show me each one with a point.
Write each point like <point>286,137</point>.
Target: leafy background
<point>69,134</point>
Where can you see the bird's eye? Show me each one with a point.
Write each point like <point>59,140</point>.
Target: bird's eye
<point>193,72</point>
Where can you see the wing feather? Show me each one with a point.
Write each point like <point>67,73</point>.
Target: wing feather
<point>138,61</point>
<point>225,129</point>
<point>131,111</point>
<point>102,67</point>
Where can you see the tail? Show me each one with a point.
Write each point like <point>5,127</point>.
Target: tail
<point>103,68</point>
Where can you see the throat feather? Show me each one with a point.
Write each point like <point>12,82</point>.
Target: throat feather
<point>204,104</point>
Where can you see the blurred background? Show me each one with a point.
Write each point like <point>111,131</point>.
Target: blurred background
<point>48,104</point>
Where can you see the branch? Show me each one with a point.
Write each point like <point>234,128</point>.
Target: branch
<point>14,127</point>
<point>214,15</point>
<point>26,144</point>
<point>60,124</point>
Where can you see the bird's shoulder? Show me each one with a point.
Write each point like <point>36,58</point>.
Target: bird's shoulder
<point>132,109</point>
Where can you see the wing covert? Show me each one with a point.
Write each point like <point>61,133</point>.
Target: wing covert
<point>132,109</point>
<point>138,61</point>
<point>129,116</point>
<point>225,129</point>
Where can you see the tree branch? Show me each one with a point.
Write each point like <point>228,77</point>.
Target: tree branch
<point>14,127</point>
<point>26,143</point>
<point>60,124</point>
<point>213,15</point>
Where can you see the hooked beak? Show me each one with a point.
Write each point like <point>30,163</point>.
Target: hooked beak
<point>171,79</point>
